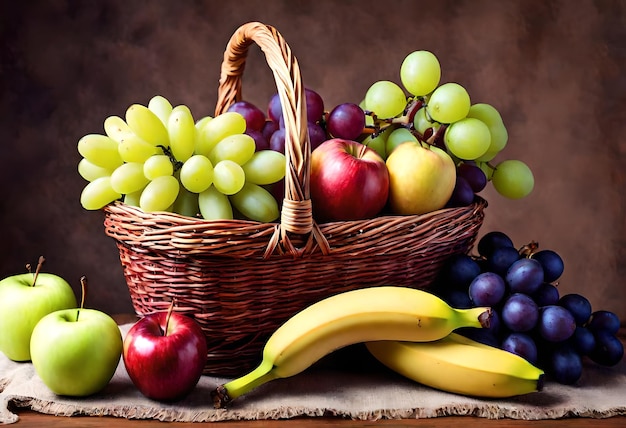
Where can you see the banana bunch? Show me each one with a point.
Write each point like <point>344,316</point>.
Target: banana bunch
<point>460,365</point>
<point>364,315</point>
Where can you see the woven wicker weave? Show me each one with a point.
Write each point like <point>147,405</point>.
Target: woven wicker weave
<point>242,279</point>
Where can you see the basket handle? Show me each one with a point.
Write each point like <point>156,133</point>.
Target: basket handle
<point>296,213</point>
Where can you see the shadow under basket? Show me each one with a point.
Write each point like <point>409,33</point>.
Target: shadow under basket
<point>242,279</point>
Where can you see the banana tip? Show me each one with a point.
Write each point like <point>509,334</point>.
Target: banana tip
<point>485,318</point>
<point>220,397</point>
<point>540,382</point>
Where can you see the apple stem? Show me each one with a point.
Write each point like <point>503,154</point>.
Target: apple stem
<point>83,289</point>
<point>39,264</point>
<point>169,315</point>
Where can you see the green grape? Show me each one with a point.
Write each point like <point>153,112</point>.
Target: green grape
<point>422,122</point>
<point>238,148</point>
<point>196,175</point>
<point>134,149</point>
<point>100,150</point>
<point>448,103</point>
<point>90,172</point>
<point>265,167</point>
<point>513,179</point>
<point>397,137</point>
<point>386,99</point>
<point>488,156</point>
<point>491,117</point>
<point>98,193</point>
<point>161,107</point>
<point>157,166</point>
<point>202,121</point>
<point>378,142</point>
<point>486,168</point>
<point>468,138</point>
<point>218,128</point>
<point>159,194</point>
<point>186,203</point>
<point>255,203</point>
<point>182,133</point>
<point>147,125</point>
<point>128,178</point>
<point>228,177</point>
<point>420,72</point>
<point>133,198</point>
<point>214,205</point>
<point>116,128</point>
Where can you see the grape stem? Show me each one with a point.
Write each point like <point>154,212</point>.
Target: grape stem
<point>405,120</point>
<point>166,151</point>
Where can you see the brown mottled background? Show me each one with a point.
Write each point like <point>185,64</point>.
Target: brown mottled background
<point>555,69</point>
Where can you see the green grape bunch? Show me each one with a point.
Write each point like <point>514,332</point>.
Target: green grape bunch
<point>159,158</point>
<point>443,115</point>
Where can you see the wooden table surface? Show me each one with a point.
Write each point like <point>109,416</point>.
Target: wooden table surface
<point>29,418</point>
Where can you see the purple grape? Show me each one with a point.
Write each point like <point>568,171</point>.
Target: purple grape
<point>501,259</point>
<point>519,313</point>
<point>274,108</point>
<point>269,128</point>
<point>260,141</point>
<point>552,264</point>
<point>457,299</point>
<point>565,365</point>
<point>346,121</point>
<point>556,323</point>
<point>583,340</point>
<point>608,351</point>
<point>277,142</point>
<point>492,240</point>
<point>314,105</point>
<point>255,118</point>
<point>474,176</point>
<point>578,305</point>
<point>458,271</point>
<point>462,195</point>
<point>524,276</point>
<point>487,289</point>
<point>521,344</point>
<point>546,294</point>
<point>604,320</point>
<point>317,135</point>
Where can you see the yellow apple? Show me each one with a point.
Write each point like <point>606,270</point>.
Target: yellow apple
<point>421,178</point>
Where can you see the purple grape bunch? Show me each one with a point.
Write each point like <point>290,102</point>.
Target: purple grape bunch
<point>530,318</point>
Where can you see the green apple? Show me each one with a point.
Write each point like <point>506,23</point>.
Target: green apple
<point>75,352</point>
<point>24,300</point>
<point>421,178</point>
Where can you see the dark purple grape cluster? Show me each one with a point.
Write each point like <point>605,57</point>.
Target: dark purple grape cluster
<point>530,317</point>
<point>470,180</point>
<point>345,121</point>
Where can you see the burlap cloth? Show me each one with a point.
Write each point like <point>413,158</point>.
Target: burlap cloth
<point>346,386</point>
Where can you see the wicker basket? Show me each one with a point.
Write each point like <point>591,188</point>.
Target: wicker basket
<point>242,279</point>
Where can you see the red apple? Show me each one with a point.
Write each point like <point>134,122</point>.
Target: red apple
<point>349,181</point>
<point>164,355</point>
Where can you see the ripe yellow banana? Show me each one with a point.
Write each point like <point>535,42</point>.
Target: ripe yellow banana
<point>460,365</point>
<point>369,314</point>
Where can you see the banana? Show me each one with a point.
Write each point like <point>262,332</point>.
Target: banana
<point>460,365</point>
<point>368,314</point>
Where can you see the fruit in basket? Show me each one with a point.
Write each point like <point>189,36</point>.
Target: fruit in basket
<point>555,332</point>
<point>164,354</point>
<point>421,179</point>
<point>349,181</point>
<point>159,159</point>
<point>460,365</point>
<point>76,351</point>
<point>369,314</point>
<point>24,300</point>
